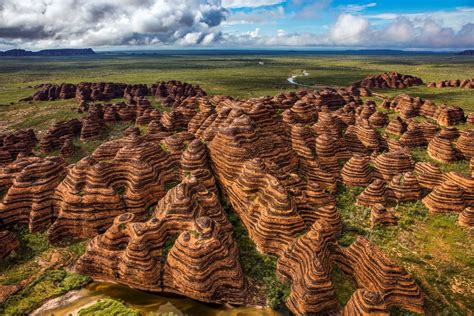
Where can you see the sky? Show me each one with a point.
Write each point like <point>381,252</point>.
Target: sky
<point>253,24</point>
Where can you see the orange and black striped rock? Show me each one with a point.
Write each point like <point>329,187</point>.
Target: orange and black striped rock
<point>396,126</point>
<point>465,182</point>
<point>327,148</point>
<point>376,193</point>
<point>405,187</point>
<point>68,148</point>
<point>300,113</point>
<point>447,197</point>
<point>187,201</point>
<point>466,218</point>
<point>465,144</point>
<point>378,120</point>
<point>365,302</point>
<point>265,207</point>
<point>449,115</point>
<point>307,265</point>
<point>358,172</point>
<point>8,243</point>
<point>328,123</point>
<point>379,214</point>
<point>407,106</point>
<point>385,80</point>
<point>93,125</point>
<point>429,130</point>
<point>428,109</point>
<point>466,83</point>
<point>413,137</point>
<point>429,175</point>
<point>57,134</point>
<point>303,141</point>
<point>442,149</point>
<point>30,200</point>
<point>391,163</point>
<point>127,178</point>
<point>204,265</point>
<point>14,143</point>
<point>369,137</point>
<point>373,271</point>
<point>470,118</point>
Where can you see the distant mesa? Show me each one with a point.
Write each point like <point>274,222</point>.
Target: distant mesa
<point>48,52</point>
<point>468,52</point>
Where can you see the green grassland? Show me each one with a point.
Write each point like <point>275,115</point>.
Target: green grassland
<point>433,248</point>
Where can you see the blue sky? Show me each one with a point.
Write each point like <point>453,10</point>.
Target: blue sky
<point>139,24</point>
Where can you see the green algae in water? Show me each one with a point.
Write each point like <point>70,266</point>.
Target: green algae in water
<point>148,304</point>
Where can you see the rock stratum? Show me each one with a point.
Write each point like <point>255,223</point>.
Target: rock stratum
<point>151,201</point>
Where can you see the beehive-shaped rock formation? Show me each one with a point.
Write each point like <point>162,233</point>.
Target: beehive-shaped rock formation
<point>381,215</point>
<point>375,193</point>
<point>307,266</point>
<point>57,133</point>
<point>405,187</point>
<point>391,163</point>
<point>466,218</point>
<point>447,197</point>
<point>413,137</point>
<point>442,149</point>
<point>450,115</point>
<point>68,148</point>
<point>128,179</point>
<point>429,175</point>
<point>465,144</point>
<point>357,171</point>
<point>378,120</point>
<point>204,264</point>
<point>30,196</point>
<point>373,271</point>
<point>389,80</point>
<point>364,302</point>
<point>396,126</point>
<point>8,243</point>
<point>14,143</point>
<point>92,125</point>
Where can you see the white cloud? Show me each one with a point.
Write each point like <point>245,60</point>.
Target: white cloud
<point>249,3</point>
<point>109,22</point>
<point>354,8</point>
<point>349,29</point>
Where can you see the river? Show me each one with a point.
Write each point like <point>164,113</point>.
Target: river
<point>145,303</point>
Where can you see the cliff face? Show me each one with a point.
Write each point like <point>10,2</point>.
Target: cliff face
<point>48,52</point>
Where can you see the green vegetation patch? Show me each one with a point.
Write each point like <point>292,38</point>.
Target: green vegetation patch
<point>106,307</point>
<point>259,269</point>
<point>51,284</point>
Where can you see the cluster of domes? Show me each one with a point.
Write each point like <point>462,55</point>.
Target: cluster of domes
<point>389,80</point>
<point>465,83</point>
<point>14,143</point>
<point>151,202</point>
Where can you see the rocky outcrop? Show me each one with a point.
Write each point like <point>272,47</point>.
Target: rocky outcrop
<point>449,115</point>
<point>358,172</point>
<point>396,127</point>
<point>447,197</point>
<point>125,175</point>
<point>14,143</point>
<point>405,187</point>
<point>8,243</point>
<point>466,218</point>
<point>92,125</point>
<point>465,144</point>
<point>375,193</point>
<point>365,302</point>
<point>373,271</point>
<point>388,80</point>
<point>58,133</point>
<point>391,163</point>
<point>29,199</point>
<point>441,149</point>
<point>455,83</point>
<point>429,175</point>
<point>307,266</point>
<point>380,215</point>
